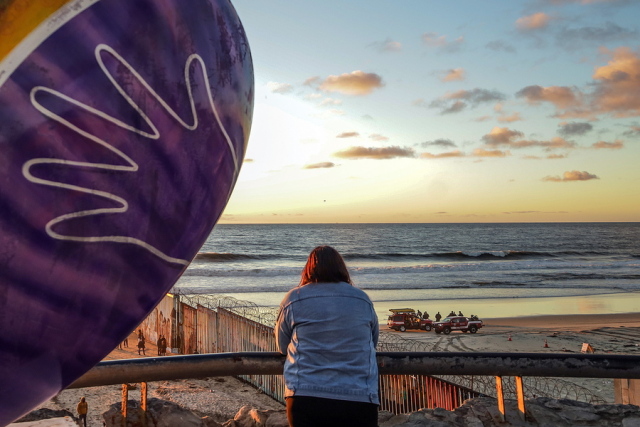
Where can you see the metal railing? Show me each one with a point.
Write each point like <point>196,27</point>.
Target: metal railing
<point>390,363</point>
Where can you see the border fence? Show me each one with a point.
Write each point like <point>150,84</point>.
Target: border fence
<point>196,324</point>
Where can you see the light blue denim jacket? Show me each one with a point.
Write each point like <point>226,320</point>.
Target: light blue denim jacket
<point>329,332</point>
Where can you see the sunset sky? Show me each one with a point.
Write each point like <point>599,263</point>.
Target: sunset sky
<point>434,111</point>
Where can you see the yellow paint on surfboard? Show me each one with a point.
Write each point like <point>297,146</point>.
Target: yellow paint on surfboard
<point>19,17</point>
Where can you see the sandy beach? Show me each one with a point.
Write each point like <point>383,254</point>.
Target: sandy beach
<point>221,398</point>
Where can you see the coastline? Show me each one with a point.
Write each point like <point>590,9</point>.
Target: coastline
<point>612,303</point>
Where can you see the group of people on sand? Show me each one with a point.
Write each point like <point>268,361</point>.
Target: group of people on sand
<point>438,316</point>
<point>161,344</point>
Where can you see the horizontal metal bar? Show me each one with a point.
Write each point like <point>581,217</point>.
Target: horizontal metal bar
<point>390,363</point>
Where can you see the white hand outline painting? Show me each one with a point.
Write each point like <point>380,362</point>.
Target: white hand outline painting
<point>131,165</point>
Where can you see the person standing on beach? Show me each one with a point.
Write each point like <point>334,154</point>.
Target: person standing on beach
<point>328,329</point>
<point>82,409</point>
<point>163,346</point>
<point>141,345</point>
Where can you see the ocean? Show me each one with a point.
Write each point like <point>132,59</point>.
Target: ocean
<point>501,268</point>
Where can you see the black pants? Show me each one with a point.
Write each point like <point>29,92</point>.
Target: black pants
<point>305,411</point>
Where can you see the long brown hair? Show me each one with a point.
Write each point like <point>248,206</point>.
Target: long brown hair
<point>324,265</point>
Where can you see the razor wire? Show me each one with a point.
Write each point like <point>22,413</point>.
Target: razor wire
<point>261,314</point>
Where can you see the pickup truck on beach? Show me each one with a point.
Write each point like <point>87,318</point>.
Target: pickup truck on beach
<point>457,323</point>
<point>402,319</point>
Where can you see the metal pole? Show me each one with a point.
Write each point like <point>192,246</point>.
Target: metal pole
<point>390,363</point>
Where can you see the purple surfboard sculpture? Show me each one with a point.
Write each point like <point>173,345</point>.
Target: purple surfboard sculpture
<point>123,126</point>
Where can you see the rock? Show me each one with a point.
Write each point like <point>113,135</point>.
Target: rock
<point>483,412</point>
<point>631,422</point>
<point>160,413</point>
<point>251,417</point>
<point>45,414</point>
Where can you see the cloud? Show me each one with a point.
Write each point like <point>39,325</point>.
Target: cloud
<point>535,21</point>
<point>615,90</point>
<point>387,46</point>
<point>457,101</point>
<point>354,83</point>
<point>561,96</point>
<point>505,136</point>
<point>312,81</point>
<point>574,128</point>
<point>330,101</point>
<point>456,153</point>
<point>454,74</point>
<point>573,38</point>
<point>359,152</point>
<point>441,142</point>
<point>320,165</point>
<point>618,84</point>
<point>276,87</point>
<point>378,137</point>
<point>616,145</point>
<point>633,131</point>
<point>500,46</point>
<point>501,136</point>
<point>515,117</point>
<point>571,176</point>
<point>348,135</point>
<point>439,41</point>
<point>481,152</point>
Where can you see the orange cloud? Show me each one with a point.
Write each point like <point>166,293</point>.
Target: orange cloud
<point>456,153</point>
<point>505,136</point>
<point>616,145</point>
<point>354,83</point>
<point>320,165</point>
<point>348,135</point>
<point>553,143</point>
<point>441,42</point>
<point>571,176</point>
<point>533,22</point>
<point>616,90</point>
<point>383,153</point>
<point>501,136</point>
<point>481,152</point>
<point>515,117</point>
<point>618,83</point>
<point>378,137</point>
<point>455,74</point>
<point>561,96</point>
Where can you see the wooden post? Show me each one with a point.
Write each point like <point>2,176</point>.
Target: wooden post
<point>500,396</point>
<point>125,398</point>
<point>520,397</point>
<point>143,403</point>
